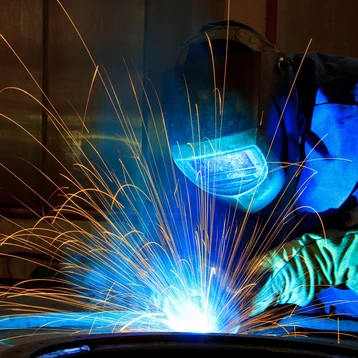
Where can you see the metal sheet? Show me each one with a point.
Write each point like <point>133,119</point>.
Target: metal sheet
<point>21,26</point>
<point>127,40</point>
<point>113,32</point>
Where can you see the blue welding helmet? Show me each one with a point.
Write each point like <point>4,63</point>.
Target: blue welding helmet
<point>223,114</point>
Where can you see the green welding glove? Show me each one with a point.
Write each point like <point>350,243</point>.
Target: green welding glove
<point>299,269</point>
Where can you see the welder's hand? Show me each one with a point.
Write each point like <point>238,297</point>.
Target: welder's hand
<point>302,267</point>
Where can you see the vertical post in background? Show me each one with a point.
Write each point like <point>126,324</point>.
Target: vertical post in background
<point>252,13</point>
<point>44,85</point>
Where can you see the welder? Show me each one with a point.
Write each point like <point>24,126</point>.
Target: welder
<point>274,135</point>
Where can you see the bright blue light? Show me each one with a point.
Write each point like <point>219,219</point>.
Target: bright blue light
<point>321,97</point>
<point>66,352</point>
<point>229,166</point>
<point>238,171</point>
<point>334,166</point>
<point>235,168</point>
<point>186,317</point>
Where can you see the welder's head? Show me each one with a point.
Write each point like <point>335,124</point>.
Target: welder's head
<point>226,95</point>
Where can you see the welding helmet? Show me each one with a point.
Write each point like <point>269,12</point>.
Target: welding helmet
<point>228,121</point>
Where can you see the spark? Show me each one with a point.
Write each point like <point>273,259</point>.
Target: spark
<point>138,257</point>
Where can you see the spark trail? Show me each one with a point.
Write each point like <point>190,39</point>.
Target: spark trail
<point>142,252</point>
<point>146,252</point>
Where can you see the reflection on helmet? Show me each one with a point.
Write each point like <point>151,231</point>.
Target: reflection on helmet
<point>239,173</point>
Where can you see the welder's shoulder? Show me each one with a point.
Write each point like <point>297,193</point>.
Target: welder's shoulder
<point>322,67</point>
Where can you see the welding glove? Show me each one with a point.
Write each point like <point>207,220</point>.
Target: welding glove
<point>301,268</point>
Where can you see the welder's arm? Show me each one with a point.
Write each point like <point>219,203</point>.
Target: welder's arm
<point>301,268</point>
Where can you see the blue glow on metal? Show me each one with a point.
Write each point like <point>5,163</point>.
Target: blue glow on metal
<point>66,352</point>
<point>320,323</point>
<point>77,320</point>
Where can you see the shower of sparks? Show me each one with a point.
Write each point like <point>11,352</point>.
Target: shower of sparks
<point>143,256</point>
<point>139,254</point>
